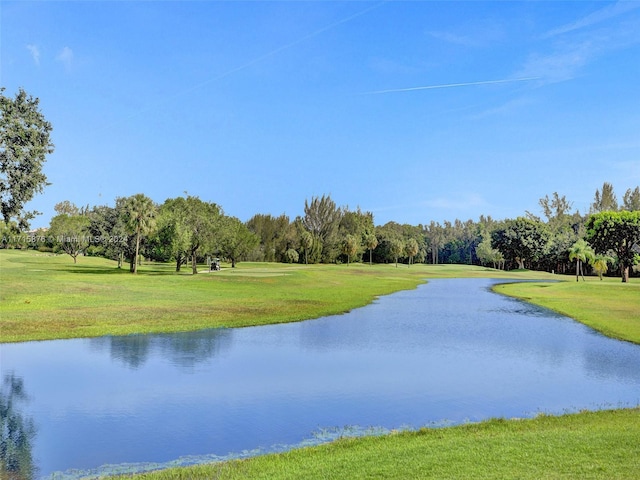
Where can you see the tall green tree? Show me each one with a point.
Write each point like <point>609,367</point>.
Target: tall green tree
<point>358,224</point>
<point>203,222</point>
<point>306,241</point>
<point>581,252</point>
<point>350,246</point>
<point>436,236</point>
<point>70,233</point>
<point>631,199</point>
<point>604,201</point>
<point>386,235</point>
<point>173,233</point>
<point>411,248</point>
<point>371,242</point>
<point>235,239</point>
<point>555,208</point>
<point>24,145</point>
<point>109,232</point>
<point>322,218</point>
<point>272,232</point>
<point>66,207</point>
<point>139,217</point>
<point>616,231</point>
<point>521,240</point>
<point>488,255</point>
<point>396,249</point>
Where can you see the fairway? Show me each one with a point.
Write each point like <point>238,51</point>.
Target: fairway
<point>45,296</point>
<point>610,306</point>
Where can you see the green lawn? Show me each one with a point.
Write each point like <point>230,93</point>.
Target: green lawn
<point>609,306</point>
<point>590,445</point>
<point>48,296</point>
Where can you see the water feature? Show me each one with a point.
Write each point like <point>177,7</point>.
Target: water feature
<point>448,352</point>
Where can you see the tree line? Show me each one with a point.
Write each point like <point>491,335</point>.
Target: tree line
<point>189,230</point>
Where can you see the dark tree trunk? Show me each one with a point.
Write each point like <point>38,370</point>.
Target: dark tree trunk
<point>135,259</point>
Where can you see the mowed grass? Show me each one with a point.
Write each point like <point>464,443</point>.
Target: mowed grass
<point>609,306</point>
<point>45,296</point>
<point>589,445</point>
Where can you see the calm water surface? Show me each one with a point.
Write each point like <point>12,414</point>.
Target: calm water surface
<point>450,351</point>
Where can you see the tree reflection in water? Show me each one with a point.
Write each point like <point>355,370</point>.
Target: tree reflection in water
<point>182,349</point>
<point>17,432</point>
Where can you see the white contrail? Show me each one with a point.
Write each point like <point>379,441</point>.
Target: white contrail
<point>254,61</point>
<point>451,85</point>
<point>286,46</point>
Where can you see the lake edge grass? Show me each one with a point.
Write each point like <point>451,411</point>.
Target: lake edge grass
<point>46,297</point>
<point>609,307</point>
<point>602,444</point>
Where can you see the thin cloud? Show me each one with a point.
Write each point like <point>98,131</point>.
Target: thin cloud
<point>65,57</point>
<point>35,53</point>
<point>577,45</point>
<point>594,18</point>
<point>568,58</point>
<point>561,65</point>
<point>452,85</point>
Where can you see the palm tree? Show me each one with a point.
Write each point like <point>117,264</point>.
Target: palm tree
<point>396,248</point>
<point>350,247</point>
<point>372,242</point>
<point>411,249</point>
<point>599,263</point>
<point>306,239</point>
<point>140,220</point>
<point>581,252</point>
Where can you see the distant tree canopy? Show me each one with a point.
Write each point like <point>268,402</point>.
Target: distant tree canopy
<point>618,232</point>
<point>188,229</point>
<point>521,240</point>
<point>24,145</point>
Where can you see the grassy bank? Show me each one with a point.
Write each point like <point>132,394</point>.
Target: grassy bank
<point>47,296</point>
<point>609,306</point>
<point>589,445</point>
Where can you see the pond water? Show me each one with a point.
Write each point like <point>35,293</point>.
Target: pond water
<point>448,352</point>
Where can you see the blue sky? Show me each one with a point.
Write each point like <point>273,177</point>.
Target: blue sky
<point>415,111</point>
